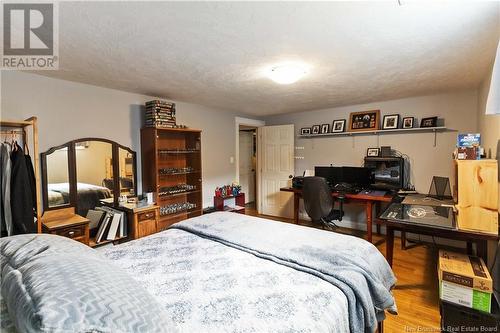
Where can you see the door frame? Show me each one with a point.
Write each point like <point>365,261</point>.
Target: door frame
<point>246,122</point>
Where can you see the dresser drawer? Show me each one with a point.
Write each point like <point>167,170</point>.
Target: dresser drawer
<point>146,216</point>
<point>71,232</point>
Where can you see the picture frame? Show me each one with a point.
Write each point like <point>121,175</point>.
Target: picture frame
<point>373,152</point>
<point>428,122</point>
<point>315,129</point>
<point>305,131</point>
<point>408,122</point>
<point>325,128</point>
<point>338,126</point>
<point>390,121</point>
<point>364,121</point>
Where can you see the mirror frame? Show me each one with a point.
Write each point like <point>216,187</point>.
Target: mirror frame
<point>72,174</point>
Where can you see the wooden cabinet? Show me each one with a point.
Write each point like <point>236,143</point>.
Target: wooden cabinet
<point>64,222</point>
<point>144,221</point>
<point>171,169</point>
<point>476,194</point>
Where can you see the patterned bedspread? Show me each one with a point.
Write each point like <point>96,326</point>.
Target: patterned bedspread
<point>210,287</point>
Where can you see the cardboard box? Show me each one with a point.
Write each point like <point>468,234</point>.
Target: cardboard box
<point>469,140</point>
<point>468,297</point>
<point>468,153</point>
<point>466,271</point>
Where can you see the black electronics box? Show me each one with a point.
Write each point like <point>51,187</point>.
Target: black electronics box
<point>298,182</point>
<point>385,151</point>
<point>457,318</point>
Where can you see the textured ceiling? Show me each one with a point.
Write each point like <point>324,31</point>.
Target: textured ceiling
<point>214,53</point>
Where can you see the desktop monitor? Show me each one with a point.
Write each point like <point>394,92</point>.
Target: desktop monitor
<point>358,176</point>
<point>388,172</point>
<point>333,175</point>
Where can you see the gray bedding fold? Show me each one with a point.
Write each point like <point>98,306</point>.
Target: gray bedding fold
<point>353,265</point>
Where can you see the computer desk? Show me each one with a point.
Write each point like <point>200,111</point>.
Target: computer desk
<point>369,200</point>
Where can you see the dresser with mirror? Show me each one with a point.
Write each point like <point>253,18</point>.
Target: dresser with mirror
<point>85,175</point>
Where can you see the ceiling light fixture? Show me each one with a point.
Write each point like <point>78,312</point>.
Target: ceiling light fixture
<point>287,73</point>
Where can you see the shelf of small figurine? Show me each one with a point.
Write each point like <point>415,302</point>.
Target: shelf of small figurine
<point>239,198</point>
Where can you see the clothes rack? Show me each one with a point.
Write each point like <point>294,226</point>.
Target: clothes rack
<point>20,127</point>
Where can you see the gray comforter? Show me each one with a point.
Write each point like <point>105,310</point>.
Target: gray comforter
<point>236,273</point>
<point>226,272</point>
<point>353,265</point>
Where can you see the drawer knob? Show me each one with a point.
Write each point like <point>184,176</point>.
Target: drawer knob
<point>71,234</point>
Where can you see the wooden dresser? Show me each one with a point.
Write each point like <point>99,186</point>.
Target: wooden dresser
<point>141,221</point>
<point>144,221</point>
<point>64,222</point>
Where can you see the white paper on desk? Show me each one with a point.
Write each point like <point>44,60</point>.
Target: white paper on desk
<point>309,173</point>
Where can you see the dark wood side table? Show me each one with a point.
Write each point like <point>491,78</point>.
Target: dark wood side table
<point>141,220</point>
<point>64,222</point>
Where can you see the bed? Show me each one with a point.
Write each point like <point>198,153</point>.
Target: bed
<point>227,272</point>
<point>88,195</point>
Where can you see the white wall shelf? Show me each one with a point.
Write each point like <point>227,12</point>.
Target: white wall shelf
<point>378,132</point>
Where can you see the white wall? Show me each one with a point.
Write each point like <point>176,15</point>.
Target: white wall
<point>489,124</point>
<point>459,110</point>
<point>68,110</point>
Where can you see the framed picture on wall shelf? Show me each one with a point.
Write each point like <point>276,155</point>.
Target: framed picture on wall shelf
<point>305,131</point>
<point>391,121</point>
<point>364,121</point>
<point>338,126</point>
<point>325,128</point>
<point>315,129</point>
<point>429,122</point>
<point>373,152</point>
<point>408,122</point>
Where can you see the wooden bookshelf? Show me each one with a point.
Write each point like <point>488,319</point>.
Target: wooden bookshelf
<point>175,149</point>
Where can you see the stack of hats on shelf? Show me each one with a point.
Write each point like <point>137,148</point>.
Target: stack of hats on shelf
<point>160,114</point>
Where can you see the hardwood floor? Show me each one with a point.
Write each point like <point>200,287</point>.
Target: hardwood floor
<point>416,291</point>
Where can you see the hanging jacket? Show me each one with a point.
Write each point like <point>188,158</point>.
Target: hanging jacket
<point>5,180</point>
<point>21,194</point>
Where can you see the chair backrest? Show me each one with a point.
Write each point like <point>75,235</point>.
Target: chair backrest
<point>317,196</point>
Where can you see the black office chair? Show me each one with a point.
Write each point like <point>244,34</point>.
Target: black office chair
<point>319,203</point>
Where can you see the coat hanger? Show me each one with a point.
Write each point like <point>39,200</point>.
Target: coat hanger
<point>26,148</point>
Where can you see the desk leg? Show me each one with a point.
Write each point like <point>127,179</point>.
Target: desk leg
<point>377,212</point>
<point>389,243</point>
<point>296,202</point>
<point>369,220</point>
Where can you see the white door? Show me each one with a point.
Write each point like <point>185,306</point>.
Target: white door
<point>247,166</point>
<point>276,166</point>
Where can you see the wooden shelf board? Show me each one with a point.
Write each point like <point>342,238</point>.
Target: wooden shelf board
<point>160,198</point>
<point>177,173</point>
<point>176,152</point>
<point>175,215</point>
<point>388,131</point>
<point>167,129</point>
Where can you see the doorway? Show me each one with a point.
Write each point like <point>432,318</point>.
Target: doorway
<point>248,162</point>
